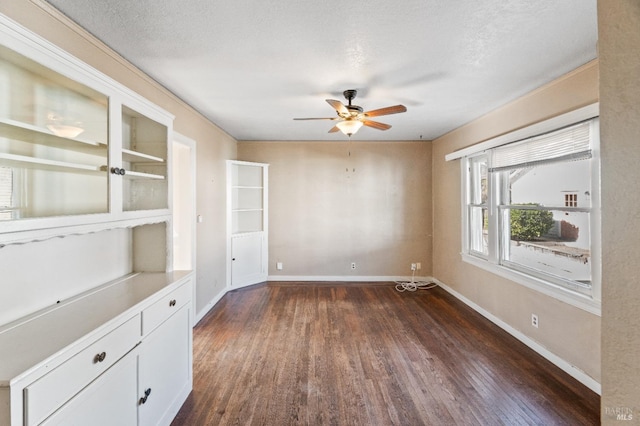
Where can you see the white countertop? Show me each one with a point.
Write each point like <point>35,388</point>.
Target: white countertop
<point>35,342</point>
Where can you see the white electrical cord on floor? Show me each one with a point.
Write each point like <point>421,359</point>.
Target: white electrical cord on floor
<point>414,285</point>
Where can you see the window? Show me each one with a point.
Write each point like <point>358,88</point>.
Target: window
<point>571,200</point>
<point>529,208</point>
<point>478,211</point>
<point>6,193</point>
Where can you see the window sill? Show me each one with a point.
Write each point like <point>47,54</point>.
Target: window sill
<point>549,289</point>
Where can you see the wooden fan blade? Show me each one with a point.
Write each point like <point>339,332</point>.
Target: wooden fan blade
<point>376,125</point>
<point>338,106</point>
<point>334,129</point>
<point>386,111</point>
<point>320,118</point>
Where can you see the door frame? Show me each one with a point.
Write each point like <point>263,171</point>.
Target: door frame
<point>180,139</point>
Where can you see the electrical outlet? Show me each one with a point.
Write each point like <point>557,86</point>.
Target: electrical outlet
<point>353,265</point>
<point>418,266</point>
<point>279,266</point>
<point>414,266</point>
<point>534,320</point>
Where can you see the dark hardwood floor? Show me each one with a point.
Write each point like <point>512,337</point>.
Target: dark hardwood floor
<point>359,354</point>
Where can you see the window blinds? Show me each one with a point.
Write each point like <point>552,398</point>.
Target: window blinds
<point>567,144</point>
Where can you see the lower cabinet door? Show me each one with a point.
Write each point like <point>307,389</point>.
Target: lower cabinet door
<point>164,370</point>
<point>109,400</point>
<point>247,259</point>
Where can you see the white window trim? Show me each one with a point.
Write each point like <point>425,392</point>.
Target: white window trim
<point>578,300</point>
<point>588,303</point>
<point>563,120</point>
<point>467,204</point>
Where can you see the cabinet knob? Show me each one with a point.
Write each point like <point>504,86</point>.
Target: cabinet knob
<point>99,357</point>
<point>122,172</point>
<point>172,302</point>
<point>146,395</point>
<point>233,258</point>
<point>115,171</point>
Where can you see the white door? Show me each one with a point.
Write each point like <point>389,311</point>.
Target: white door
<point>246,259</point>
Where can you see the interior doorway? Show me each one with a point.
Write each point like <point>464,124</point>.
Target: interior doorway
<point>184,204</point>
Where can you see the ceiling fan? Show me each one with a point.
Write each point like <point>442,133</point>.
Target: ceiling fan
<point>351,117</point>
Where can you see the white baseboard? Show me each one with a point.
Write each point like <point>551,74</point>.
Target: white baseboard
<point>209,306</point>
<point>564,365</point>
<point>343,278</point>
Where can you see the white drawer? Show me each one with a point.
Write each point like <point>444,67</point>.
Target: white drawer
<point>110,400</point>
<point>157,313</point>
<point>50,392</point>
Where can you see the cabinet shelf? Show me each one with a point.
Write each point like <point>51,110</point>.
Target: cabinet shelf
<point>246,187</point>
<point>246,210</point>
<point>140,175</point>
<point>44,164</point>
<point>144,154</point>
<point>135,157</point>
<point>13,129</point>
<point>137,175</point>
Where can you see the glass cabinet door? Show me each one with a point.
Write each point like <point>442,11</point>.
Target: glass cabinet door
<point>53,143</point>
<point>144,160</point>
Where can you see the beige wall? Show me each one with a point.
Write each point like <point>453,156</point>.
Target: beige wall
<point>333,203</point>
<point>302,199</point>
<point>619,44</point>
<point>213,145</point>
<point>569,332</point>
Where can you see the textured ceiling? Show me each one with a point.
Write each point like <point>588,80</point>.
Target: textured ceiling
<point>252,66</point>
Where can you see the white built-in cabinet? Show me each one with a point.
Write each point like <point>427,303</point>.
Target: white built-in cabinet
<point>82,155</point>
<point>247,223</point>
<point>119,354</point>
<point>76,148</point>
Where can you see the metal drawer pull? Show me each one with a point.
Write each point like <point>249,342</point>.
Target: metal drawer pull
<point>99,357</point>
<point>146,395</point>
<point>172,302</point>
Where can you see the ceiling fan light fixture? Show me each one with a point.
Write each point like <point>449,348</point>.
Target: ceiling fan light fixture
<point>352,117</point>
<point>349,127</point>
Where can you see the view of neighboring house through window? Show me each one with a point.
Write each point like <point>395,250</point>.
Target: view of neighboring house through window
<point>6,193</point>
<point>529,206</point>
